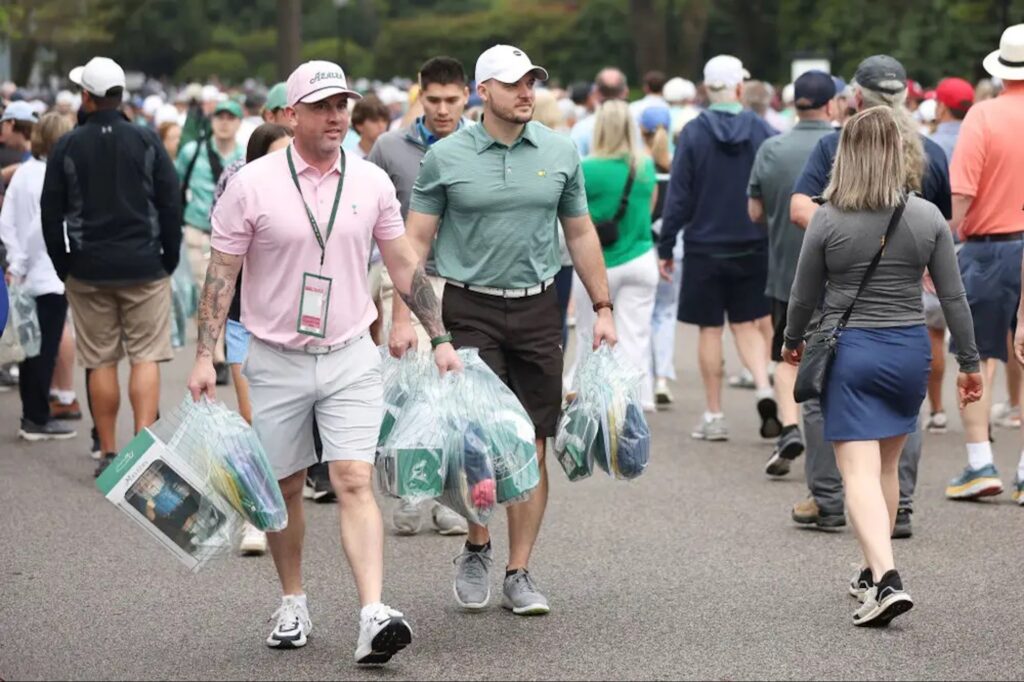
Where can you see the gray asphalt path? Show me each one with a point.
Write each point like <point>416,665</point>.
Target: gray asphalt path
<point>692,571</point>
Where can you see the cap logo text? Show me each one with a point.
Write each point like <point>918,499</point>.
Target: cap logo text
<point>326,76</point>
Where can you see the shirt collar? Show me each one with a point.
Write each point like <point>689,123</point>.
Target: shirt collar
<point>428,137</point>
<point>813,125</point>
<point>727,107</point>
<point>301,166</point>
<point>484,141</point>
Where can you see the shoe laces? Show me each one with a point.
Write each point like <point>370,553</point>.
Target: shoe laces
<point>526,579</point>
<point>474,563</point>
<point>288,615</point>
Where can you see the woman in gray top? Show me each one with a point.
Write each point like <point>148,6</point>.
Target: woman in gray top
<point>878,378</point>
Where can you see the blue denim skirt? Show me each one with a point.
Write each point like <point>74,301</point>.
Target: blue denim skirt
<point>877,383</point>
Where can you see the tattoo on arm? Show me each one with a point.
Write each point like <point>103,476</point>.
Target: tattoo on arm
<point>421,300</point>
<point>221,276</point>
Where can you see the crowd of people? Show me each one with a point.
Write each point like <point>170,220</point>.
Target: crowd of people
<point>494,213</point>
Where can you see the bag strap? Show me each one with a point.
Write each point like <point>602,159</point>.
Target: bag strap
<point>191,167</point>
<point>893,221</point>
<point>216,167</point>
<point>624,201</point>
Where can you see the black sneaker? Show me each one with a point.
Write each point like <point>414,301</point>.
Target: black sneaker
<point>95,451</point>
<point>104,463</point>
<point>51,430</point>
<point>323,491</point>
<point>883,602</point>
<point>789,447</point>
<point>902,529</point>
<point>771,427</point>
<point>223,375</point>
<point>861,583</point>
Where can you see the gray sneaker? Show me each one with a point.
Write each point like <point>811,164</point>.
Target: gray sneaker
<point>714,429</point>
<point>789,446</point>
<point>522,597</point>
<point>406,518</point>
<point>447,522</point>
<point>472,579</point>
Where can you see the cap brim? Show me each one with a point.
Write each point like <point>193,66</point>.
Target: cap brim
<point>75,75</point>
<point>1000,70</point>
<point>324,93</point>
<point>511,77</point>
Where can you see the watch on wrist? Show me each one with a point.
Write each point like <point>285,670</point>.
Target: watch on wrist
<point>603,304</point>
<point>438,340</point>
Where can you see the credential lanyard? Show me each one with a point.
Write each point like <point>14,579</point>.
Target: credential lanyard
<point>320,238</point>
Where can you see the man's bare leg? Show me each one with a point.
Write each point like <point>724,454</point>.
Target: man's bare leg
<point>362,529</point>
<point>525,518</point>
<point>286,545</point>
<point>709,352</point>
<point>144,393</point>
<point>105,396</point>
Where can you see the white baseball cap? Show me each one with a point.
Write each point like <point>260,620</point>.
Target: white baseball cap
<point>507,64</point>
<point>724,71</point>
<point>167,113</point>
<point>210,93</point>
<point>317,80</point>
<point>679,90</point>
<point>98,76</point>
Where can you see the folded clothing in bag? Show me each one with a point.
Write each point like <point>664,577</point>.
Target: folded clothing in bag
<point>470,488</point>
<point>574,443</point>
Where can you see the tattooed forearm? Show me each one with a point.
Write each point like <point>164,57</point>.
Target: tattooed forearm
<point>221,276</point>
<point>421,300</point>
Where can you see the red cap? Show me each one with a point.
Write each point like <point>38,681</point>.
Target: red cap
<point>914,90</point>
<point>956,93</point>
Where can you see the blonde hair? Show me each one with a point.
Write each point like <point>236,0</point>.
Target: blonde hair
<point>913,148</point>
<point>657,147</point>
<point>51,127</point>
<point>546,111</point>
<point>615,132</point>
<point>869,173</point>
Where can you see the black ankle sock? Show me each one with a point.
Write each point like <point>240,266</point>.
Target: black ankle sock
<point>470,547</point>
<point>512,571</point>
<point>788,429</point>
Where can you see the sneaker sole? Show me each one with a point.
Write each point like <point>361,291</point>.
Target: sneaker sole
<point>252,550</point>
<point>696,435</point>
<point>39,437</point>
<point>768,410</point>
<point>472,607</point>
<point>902,532</point>
<point>662,399</point>
<point>985,487</point>
<point>325,498</point>
<point>777,465</point>
<point>448,532</point>
<point>885,612</point>
<point>395,636</point>
<point>528,610</point>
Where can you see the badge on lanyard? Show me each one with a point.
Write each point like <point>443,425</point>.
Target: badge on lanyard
<point>316,289</point>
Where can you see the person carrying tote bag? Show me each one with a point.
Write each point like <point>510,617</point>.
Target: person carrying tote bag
<point>867,248</point>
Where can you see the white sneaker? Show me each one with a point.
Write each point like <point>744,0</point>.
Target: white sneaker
<point>662,393</point>
<point>937,423</point>
<point>447,522</point>
<point>254,541</point>
<point>1005,416</point>
<point>293,624</point>
<point>308,491</point>
<point>382,635</point>
<point>406,518</point>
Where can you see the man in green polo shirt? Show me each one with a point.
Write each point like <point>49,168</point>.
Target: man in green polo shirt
<point>497,191</point>
<point>199,165</point>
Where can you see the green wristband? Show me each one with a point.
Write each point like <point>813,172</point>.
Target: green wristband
<point>438,340</point>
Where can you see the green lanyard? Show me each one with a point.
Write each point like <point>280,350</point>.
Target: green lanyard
<point>320,239</point>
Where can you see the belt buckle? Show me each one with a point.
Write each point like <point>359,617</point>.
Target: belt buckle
<point>318,350</point>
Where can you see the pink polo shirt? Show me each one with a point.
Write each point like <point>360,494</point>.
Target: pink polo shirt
<point>261,216</point>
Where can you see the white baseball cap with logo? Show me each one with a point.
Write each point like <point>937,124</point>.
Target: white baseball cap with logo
<point>506,64</point>
<point>317,80</point>
<point>723,72</point>
<point>98,76</point>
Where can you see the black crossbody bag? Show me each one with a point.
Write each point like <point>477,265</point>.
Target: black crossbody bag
<point>608,230</point>
<point>821,343</point>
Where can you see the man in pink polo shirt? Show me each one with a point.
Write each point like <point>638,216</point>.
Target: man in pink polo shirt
<point>987,179</point>
<point>302,220</point>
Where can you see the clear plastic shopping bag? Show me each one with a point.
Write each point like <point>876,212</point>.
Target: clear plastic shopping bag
<point>184,299</point>
<point>26,321</point>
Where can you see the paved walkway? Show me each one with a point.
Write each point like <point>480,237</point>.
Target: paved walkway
<point>692,571</point>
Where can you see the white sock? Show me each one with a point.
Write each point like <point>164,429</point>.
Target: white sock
<point>367,611</point>
<point>767,392</point>
<point>63,397</point>
<point>979,455</point>
<point>297,598</point>
<point>708,416</point>
<point>1020,467</point>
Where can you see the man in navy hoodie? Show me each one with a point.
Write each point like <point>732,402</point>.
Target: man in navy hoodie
<point>725,255</point>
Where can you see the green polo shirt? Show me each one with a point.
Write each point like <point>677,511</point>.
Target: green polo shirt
<point>201,182</point>
<point>499,205</point>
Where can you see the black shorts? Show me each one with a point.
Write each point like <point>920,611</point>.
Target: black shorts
<point>779,319</point>
<point>715,286</point>
<point>520,339</point>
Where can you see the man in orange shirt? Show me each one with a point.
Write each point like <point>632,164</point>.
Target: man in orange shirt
<point>988,195</point>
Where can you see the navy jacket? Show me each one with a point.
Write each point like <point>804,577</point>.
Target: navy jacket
<point>114,186</point>
<point>707,191</point>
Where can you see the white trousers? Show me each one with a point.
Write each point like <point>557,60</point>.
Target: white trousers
<point>632,288</point>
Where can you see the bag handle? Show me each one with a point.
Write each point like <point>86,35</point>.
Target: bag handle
<point>893,221</point>
<point>624,201</point>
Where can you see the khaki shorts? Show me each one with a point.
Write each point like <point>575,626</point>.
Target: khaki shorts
<point>344,389</point>
<point>387,292</point>
<point>113,321</point>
